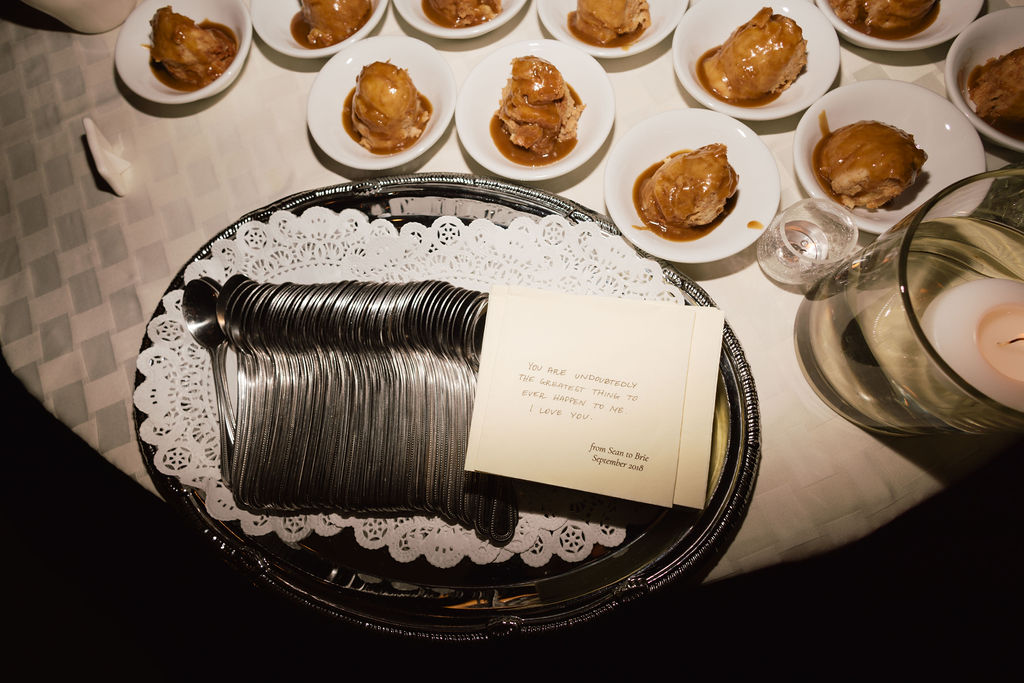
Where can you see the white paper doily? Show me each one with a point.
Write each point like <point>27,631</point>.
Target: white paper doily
<point>321,245</point>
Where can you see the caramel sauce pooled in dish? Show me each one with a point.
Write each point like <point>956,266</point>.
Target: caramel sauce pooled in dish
<point>523,155</point>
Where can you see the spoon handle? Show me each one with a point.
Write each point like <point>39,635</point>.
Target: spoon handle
<point>225,411</point>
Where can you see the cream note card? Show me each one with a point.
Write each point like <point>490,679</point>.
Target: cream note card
<point>611,396</point>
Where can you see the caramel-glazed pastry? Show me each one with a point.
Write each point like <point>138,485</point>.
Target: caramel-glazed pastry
<point>466,12</point>
<point>868,163</point>
<point>537,108</point>
<point>192,55</point>
<point>761,58</point>
<point>602,21</point>
<point>332,21</point>
<point>885,15</point>
<point>997,90</point>
<point>388,113</point>
<point>689,189</point>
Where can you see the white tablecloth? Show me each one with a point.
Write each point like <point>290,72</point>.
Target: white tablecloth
<point>81,269</point>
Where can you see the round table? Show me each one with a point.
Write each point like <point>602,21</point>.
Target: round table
<point>82,269</point>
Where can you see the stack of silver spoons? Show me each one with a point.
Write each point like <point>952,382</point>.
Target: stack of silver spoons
<point>356,397</point>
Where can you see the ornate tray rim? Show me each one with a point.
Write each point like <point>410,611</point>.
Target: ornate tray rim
<point>690,558</point>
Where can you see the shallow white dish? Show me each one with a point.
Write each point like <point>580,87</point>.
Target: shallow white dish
<point>757,198</point>
<point>412,12</point>
<point>665,16</point>
<point>480,96</point>
<point>272,20</point>
<point>990,36</point>
<point>131,51</point>
<point>954,16</point>
<point>429,71</point>
<point>709,24</point>
<point>953,147</point>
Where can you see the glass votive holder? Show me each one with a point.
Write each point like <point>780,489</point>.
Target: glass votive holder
<point>805,241</point>
<point>922,331</point>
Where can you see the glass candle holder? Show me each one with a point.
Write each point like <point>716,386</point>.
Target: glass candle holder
<point>805,241</point>
<point>922,331</point>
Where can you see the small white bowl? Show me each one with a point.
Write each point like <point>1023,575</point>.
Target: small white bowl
<point>131,52</point>
<point>665,16</point>
<point>954,16</point>
<point>953,147</point>
<point>709,24</point>
<point>412,12</point>
<point>272,20</point>
<point>480,97</point>
<point>757,198</point>
<point>990,36</point>
<point>429,71</point>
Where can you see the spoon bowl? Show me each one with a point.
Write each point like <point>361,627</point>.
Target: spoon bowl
<point>199,309</point>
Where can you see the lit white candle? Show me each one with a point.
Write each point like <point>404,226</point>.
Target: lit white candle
<point>978,329</point>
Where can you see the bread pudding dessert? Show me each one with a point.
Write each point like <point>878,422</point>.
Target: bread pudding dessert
<point>538,112</point>
<point>758,61</point>
<point>609,22</point>
<point>892,19</point>
<point>867,164</point>
<point>997,90</point>
<point>461,13</point>
<point>683,195</point>
<point>322,23</point>
<point>186,55</point>
<point>386,111</point>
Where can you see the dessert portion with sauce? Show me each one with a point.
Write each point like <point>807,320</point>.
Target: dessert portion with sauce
<point>890,19</point>
<point>322,23</point>
<point>609,23</point>
<point>385,113</point>
<point>683,197</point>
<point>461,13</point>
<point>997,90</point>
<point>867,164</point>
<point>538,113</point>
<point>188,56</point>
<point>757,62</point>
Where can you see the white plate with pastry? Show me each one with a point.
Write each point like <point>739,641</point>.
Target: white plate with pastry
<point>480,97</point>
<point>710,25</point>
<point>744,215</point>
<point>949,18</point>
<point>441,25</point>
<point>664,16</point>
<point>952,145</point>
<point>992,37</point>
<point>279,23</point>
<point>133,56</point>
<point>329,100</point>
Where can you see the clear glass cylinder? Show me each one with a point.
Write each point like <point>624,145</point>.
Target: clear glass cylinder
<point>859,332</point>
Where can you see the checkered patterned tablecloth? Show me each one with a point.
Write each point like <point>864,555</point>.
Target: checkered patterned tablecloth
<point>81,269</point>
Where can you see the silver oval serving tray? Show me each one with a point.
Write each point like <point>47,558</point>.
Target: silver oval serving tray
<point>333,575</point>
